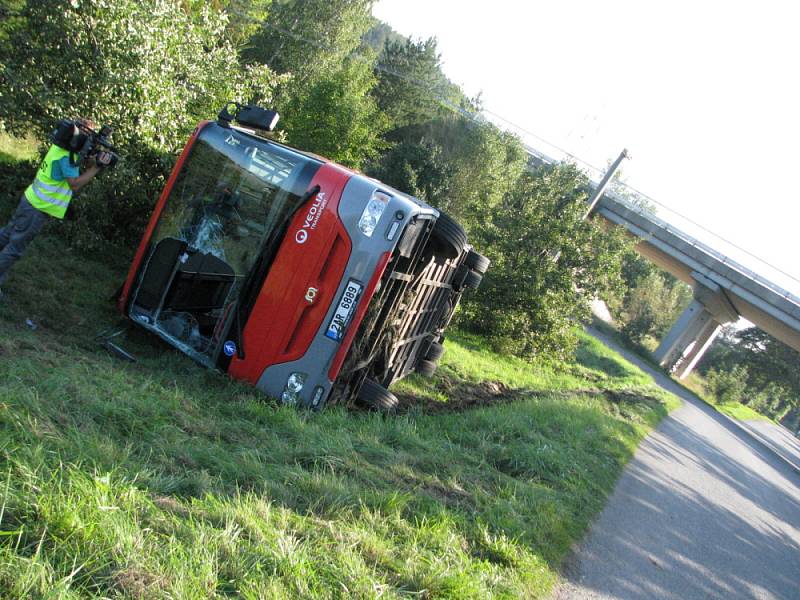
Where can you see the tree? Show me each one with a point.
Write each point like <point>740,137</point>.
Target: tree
<point>308,38</point>
<point>773,379</point>
<point>476,164</point>
<point>244,17</point>
<point>336,117</point>
<point>411,86</point>
<point>728,386</point>
<point>416,168</point>
<point>547,263</point>
<point>378,34</point>
<point>771,360</point>
<point>326,101</point>
<point>487,164</point>
<point>650,301</point>
<point>150,69</point>
<point>652,305</point>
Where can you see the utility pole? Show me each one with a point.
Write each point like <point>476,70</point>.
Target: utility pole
<point>601,187</point>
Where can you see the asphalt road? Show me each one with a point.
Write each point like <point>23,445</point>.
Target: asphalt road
<point>703,510</point>
<point>778,438</point>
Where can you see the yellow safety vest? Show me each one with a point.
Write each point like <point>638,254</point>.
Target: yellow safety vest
<point>47,194</point>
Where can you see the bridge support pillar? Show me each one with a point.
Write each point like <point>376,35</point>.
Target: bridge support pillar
<point>695,328</point>
<point>694,352</point>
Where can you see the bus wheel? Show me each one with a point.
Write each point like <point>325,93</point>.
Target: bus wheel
<point>434,352</point>
<point>450,235</point>
<point>426,368</point>
<point>377,397</point>
<point>477,262</point>
<point>473,280</point>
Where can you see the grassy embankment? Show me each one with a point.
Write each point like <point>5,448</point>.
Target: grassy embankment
<point>695,382</point>
<point>160,479</point>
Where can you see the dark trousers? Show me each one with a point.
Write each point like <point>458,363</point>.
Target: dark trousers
<point>15,237</point>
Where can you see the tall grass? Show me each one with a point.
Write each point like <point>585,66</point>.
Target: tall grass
<point>14,150</point>
<point>160,479</point>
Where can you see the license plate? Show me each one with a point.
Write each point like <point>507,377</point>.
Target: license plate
<point>344,312</point>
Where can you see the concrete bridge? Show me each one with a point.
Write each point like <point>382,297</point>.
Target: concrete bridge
<point>723,289</point>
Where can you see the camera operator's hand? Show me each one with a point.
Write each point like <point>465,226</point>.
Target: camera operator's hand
<point>103,159</point>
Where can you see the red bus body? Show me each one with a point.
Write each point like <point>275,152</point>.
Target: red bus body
<point>293,273</point>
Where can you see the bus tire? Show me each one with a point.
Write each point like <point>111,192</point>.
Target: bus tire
<point>426,368</point>
<point>434,352</point>
<point>450,235</point>
<point>375,396</point>
<point>477,262</point>
<point>473,280</point>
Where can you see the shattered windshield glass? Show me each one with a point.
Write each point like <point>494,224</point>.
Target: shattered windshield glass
<point>231,193</point>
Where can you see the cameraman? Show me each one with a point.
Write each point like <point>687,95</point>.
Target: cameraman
<point>49,195</point>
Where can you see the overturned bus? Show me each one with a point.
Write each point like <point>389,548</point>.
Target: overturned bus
<point>316,284</point>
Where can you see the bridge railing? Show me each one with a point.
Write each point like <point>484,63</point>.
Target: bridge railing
<point>777,280</point>
<point>726,252</point>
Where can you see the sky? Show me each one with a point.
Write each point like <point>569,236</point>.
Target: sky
<point>705,96</point>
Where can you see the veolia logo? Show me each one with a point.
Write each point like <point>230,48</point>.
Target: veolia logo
<point>312,218</point>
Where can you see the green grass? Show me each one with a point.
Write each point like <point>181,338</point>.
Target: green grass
<point>160,479</point>
<point>736,410</point>
<point>695,383</point>
<point>596,365</point>
<point>14,149</point>
<point>644,350</point>
<point>741,412</point>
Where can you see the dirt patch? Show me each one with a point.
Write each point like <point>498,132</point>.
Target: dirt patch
<point>632,397</point>
<point>467,395</point>
<point>462,396</point>
<point>135,582</point>
<point>170,505</point>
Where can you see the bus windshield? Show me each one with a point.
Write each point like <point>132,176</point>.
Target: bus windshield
<point>232,191</point>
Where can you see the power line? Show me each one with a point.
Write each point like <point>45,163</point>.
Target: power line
<point>648,198</point>
<point>712,233</point>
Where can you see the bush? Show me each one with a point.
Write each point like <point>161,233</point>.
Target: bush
<point>417,168</point>
<point>150,69</point>
<point>728,386</point>
<point>548,262</point>
<point>770,401</point>
<point>14,178</point>
<point>652,306</point>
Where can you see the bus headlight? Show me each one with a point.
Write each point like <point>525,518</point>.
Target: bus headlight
<point>372,212</point>
<point>294,385</point>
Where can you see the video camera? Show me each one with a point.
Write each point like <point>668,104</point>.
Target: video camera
<point>80,139</point>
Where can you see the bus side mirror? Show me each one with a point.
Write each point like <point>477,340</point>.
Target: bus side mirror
<point>257,117</point>
<point>248,115</point>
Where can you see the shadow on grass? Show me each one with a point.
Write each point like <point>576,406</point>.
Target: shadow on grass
<point>8,159</point>
<point>590,360</point>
